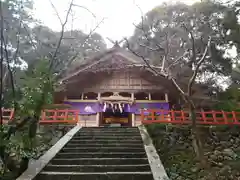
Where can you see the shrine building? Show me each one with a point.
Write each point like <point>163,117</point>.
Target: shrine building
<point>113,86</point>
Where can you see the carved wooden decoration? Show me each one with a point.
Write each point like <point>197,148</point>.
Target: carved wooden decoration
<point>115,98</point>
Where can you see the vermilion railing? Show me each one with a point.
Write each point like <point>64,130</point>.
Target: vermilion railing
<point>182,117</point>
<point>7,115</point>
<point>48,116</point>
<point>59,116</point>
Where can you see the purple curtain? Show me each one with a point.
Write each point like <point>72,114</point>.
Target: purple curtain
<point>86,107</point>
<point>93,107</point>
<point>137,107</point>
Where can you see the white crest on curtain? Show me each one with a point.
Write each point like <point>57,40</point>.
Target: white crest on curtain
<point>89,109</point>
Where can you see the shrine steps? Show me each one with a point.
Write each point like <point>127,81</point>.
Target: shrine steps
<point>114,153</point>
<point>97,176</point>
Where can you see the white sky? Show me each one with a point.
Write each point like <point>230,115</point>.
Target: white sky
<point>120,15</point>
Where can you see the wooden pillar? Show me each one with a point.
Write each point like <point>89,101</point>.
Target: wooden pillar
<point>133,114</point>
<point>166,97</point>
<point>99,95</point>
<point>98,114</point>
<point>149,97</point>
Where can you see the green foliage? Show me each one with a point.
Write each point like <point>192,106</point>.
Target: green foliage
<point>18,142</point>
<point>229,100</point>
<point>203,19</point>
<point>37,88</point>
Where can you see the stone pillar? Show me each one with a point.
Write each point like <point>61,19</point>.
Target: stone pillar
<point>133,120</point>
<point>98,114</point>
<point>133,115</point>
<point>97,119</point>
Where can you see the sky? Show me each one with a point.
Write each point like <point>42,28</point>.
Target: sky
<point>118,15</point>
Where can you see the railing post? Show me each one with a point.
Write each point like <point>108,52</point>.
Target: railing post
<point>172,116</point>
<point>77,115</point>
<point>152,114</point>
<point>43,116</point>
<point>203,114</point>
<point>162,117</point>
<point>55,116</point>
<point>183,116</point>
<point>225,117</point>
<point>234,117</point>
<point>11,114</point>
<point>142,115</point>
<point>214,116</point>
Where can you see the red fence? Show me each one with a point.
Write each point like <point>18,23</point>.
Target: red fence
<point>7,115</point>
<point>147,116</point>
<point>59,116</point>
<point>49,116</point>
<point>182,117</point>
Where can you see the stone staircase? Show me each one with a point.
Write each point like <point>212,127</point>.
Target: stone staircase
<point>114,153</point>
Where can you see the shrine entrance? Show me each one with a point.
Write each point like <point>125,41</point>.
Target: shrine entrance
<point>115,111</point>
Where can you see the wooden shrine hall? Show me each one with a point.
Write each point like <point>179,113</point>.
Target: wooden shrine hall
<point>112,87</point>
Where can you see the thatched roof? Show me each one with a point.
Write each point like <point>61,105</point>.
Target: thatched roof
<point>118,58</point>
<point>111,59</point>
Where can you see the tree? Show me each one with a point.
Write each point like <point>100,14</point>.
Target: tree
<point>10,12</point>
<point>184,39</point>
<point>75,45</point>
<point>47,54</point>
<point>151,41</point>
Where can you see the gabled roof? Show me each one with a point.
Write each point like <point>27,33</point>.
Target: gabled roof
<point>118,58</point>
<point>114,58</point>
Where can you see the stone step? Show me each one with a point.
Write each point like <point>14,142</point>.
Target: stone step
<point>109,128</point>
<point>109,141</point>
<point>102,149</point>
<point>112,130</point>
<point>108,137</point>
<point>102,155</point>
<point>99,168</point>
<point>99,161</point>
<point>104,145</point>
<point>95,176</point>
<point>109,131</point>
<point>106,134</point>
<point>120,129</point>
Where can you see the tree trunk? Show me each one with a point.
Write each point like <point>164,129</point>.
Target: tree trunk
<point>196,137</point>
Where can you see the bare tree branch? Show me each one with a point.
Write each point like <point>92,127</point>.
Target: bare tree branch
<point>149,48</point>
<point>83,7</point>
<point>177,60</point>
<point>144,59</point>
<point>63,24</point>
<point>199,63</point>
<point>85,40</point>
<point>56,11</point>
<point>159,47</point>
<point>31,40</point>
